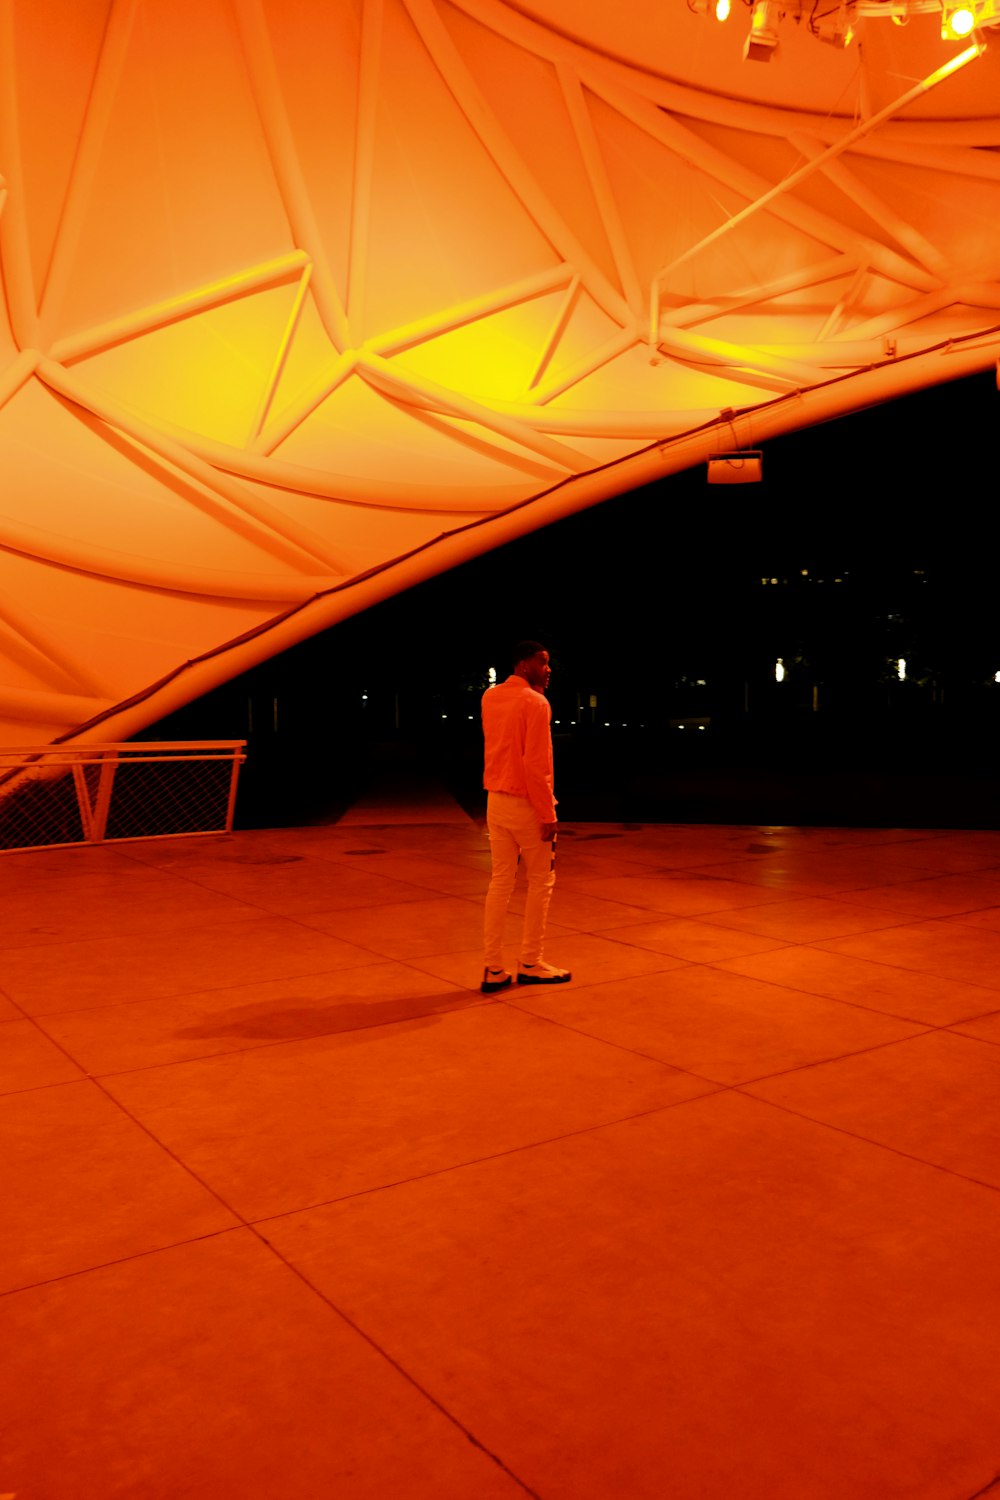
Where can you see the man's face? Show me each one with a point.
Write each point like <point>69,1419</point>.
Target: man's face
<point>537,671</point>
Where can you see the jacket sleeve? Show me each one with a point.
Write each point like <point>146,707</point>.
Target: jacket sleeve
<point>538,759</point>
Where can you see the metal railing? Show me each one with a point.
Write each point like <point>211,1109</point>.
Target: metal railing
<point>53,795</point>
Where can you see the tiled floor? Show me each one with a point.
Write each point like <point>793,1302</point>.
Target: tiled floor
<point>298,1215</point>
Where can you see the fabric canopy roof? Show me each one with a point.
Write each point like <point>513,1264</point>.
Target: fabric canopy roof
<point>303,302</point>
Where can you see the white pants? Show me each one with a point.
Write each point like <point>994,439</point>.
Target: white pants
<point>515,830</point>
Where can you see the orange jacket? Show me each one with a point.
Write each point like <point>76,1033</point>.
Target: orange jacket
<point>516,723</point>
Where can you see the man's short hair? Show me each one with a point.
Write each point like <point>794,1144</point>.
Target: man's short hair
<point>524,649</point>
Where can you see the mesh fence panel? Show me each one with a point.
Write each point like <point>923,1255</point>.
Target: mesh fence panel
<point>115,792</point>
<point>156,798</point>
<point>42,809</point>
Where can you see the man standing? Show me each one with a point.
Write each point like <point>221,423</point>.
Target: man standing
<point>520,813</point>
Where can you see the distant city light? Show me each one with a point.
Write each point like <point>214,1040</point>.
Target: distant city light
<point>996,676</point>
<point>779,670</point>
<point>364,697</point>
<point>901,669</point>
<point>492,675</point>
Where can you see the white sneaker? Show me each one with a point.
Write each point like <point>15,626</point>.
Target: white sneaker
<point>541,973</point>
<point>493,980</point>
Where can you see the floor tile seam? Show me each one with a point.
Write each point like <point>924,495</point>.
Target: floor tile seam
<point>393,899</point>
<point>426,894</point>
<point>413,967</point>
<point>253,913</point>
<point>216,989</point>
<point>855,1135</point>
<point>978,872</point>
<point>84,1075</point>
<point>794,989</point>
<point>22,1013</point>
<point>939,916</point>
<point>123,1260</point>
<point>990,1487</point>
<point>779,943</point>
<point>924,1030</point>
<point>474,1003</point>
<point>712,1090</point>
<point>169,1151</point>
<point>773,898</point>
<point>392,1361</point>
<point>963,1036</point>
<point>955,917</point>
<point>900,920</point>
<point>839,1057</point>
<point>258,906</point>
<point>923,971</point>
<point>302,918</point>
<point>590,1036</point>
<point>349,863</point>
<point>122,933</point>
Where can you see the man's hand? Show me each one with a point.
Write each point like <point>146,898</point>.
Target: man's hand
<point>548,831</point>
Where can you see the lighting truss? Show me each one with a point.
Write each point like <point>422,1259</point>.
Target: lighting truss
<point>835,22</point>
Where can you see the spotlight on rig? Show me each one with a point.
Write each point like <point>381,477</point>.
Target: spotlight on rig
<point>762,38</point>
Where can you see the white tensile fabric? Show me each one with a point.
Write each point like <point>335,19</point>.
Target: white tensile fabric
<point>303,302</point>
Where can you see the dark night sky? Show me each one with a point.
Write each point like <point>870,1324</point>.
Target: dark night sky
<point>665,582</point>
<point>662,575</point>
<point>642,595</point>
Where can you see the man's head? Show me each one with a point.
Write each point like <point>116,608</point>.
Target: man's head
<point>531,661</point>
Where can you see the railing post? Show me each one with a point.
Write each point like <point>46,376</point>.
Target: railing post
<point>233,779</point>
<point>109,764</point>
<point>83,801</point>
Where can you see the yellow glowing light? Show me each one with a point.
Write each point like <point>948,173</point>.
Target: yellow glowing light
<point>492,675</point>
<point>779,670</point>
<point>722,8</point>
<point>958,22</point>
<point>901,669</point>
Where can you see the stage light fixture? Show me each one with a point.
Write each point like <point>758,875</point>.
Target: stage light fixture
<point>762,38</point>
<point>957,23</point>
<point>837,24</point>
<point>960,20</point>
<point>837,30</point>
